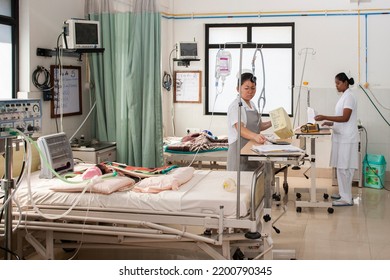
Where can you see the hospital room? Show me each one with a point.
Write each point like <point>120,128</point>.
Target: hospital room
<point>195,130</point>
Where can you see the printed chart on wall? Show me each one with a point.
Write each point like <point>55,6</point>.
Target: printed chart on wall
<point>66,91</point>
<point>187,87</point>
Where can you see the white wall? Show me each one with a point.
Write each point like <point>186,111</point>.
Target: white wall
<point>339,41</point>
<point>41,23</point>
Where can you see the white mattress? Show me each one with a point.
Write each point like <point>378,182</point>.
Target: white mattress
<point>204,193</point>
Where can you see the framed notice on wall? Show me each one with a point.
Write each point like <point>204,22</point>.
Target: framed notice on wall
<point>66,91</point>
<point>187,86</point>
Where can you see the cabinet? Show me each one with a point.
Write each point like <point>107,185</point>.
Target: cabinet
<point>97,153</point>
<point>358,175</point>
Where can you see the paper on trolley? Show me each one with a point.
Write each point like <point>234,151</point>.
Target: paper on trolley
<point>276,149</point>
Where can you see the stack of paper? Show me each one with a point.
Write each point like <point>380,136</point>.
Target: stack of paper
<point>268,149</point>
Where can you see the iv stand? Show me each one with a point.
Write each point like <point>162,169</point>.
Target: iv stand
<point>239,128</point>
<point>239,137</point>
<point>8,184</point>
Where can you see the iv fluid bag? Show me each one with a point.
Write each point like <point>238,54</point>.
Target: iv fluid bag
<point>223,64</point>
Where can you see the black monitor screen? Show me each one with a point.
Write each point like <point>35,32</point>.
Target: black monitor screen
<point>86,33</point>
<point>189,49</point>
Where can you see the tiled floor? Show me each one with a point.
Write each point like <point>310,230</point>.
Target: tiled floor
<point>358,232</point>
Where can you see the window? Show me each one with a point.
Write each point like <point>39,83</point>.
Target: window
<point>272,41</point>
<point>9,10</point>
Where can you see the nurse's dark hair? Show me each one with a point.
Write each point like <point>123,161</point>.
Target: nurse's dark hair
<point>344,78</point>
<point>245,77</point>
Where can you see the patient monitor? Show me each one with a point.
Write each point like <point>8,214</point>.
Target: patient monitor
<point>281,123</point>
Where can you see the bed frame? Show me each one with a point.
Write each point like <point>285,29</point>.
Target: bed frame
<point>221,237</point>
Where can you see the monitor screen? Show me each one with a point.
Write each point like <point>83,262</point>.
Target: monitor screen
<point>188,50</point>
<point>86,33</point>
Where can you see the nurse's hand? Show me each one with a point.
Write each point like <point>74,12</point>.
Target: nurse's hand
<point>319,117</point>
<point>327,124</point>
<point>260,138</point>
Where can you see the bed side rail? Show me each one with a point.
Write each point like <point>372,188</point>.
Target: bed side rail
<point>257,190</point>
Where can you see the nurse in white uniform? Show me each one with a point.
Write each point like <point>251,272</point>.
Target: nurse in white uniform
<point>345,139</point>
<point>251,124</point>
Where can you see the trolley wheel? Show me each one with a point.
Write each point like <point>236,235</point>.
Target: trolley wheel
<point>276,197</point>
<point>326,196</point>
<point>285,187</point>
<point>298,195</point>
<point>69,250</point>
<point>330,210</point>
<point>299,209</point>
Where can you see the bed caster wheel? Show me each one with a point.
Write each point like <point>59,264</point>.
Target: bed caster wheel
<point>330,210</point>
<point>326,196</point>
<point>285,188</point>
<point>298,195</point>
<point>238,255</point>
<point>252,235</point>
<point>299,209</point>
<point>276,197</point>
<point>68,250</point>
<point>207,232</point>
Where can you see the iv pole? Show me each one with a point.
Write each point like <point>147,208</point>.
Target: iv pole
<point>239,129</point>
<point>7,183</point>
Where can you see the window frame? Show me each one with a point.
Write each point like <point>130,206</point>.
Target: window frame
<point>249,27</point>
<point>13,22</point>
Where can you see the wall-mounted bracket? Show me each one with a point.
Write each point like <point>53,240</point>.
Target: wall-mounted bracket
<point>68,52</point>
<point>184,62</point>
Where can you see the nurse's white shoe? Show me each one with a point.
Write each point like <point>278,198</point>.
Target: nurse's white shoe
<point>340,202</point>
<point>335,196</point>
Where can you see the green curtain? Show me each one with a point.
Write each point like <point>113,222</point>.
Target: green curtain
<point>125,81</point>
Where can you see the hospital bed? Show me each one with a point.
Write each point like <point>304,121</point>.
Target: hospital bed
<point>215,158</point>
<point>212,160</point>
<point>228,228</point>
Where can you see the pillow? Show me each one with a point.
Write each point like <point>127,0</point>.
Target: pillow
<point>170,181</point>
<point>99,184</point>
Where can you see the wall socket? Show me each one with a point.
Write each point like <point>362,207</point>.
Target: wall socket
<point>190,130</point>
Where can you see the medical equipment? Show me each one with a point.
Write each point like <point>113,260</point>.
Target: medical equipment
<point>229,185</point>
<point>305,51</point>
<point>261,101</point>
<point>22,114</point>
<point>187,50</point>
<point>281,123</point>
<point>56,154</point>
<point>81,34</point>
<point>139,220</point>
<point>223,66</point>
<point>313,200</point>
<point>310,127</point>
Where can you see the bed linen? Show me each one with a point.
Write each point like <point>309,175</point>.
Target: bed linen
<point>204,193</point>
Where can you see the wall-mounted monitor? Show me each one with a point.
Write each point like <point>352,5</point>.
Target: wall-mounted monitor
<point>187,50</point>
<point>82,34</point>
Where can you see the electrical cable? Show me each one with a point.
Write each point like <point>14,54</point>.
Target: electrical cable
<point>81,125</point>
<point>11,252</point>
<point>172,105</point>
<point>58,84</point>
<point>377,101</point>
<point>375,106</point>
<point>44,86</point>
<point>167,81</point>
<point>29,141</point>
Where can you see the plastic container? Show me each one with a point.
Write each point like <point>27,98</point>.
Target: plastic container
<point>374,170</point>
